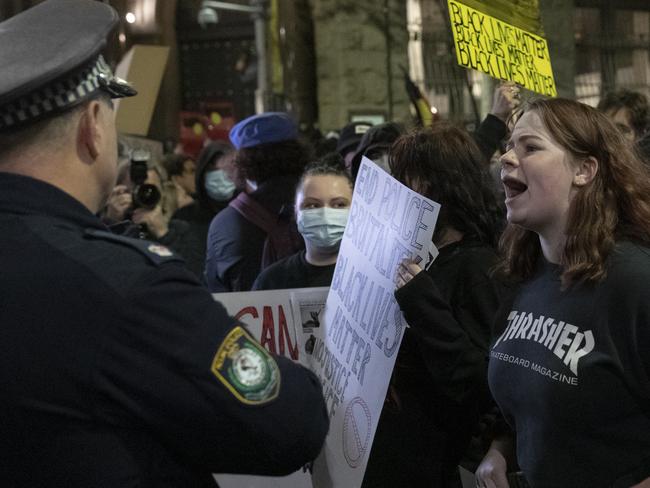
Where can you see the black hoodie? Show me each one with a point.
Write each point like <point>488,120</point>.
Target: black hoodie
<point>199,213</point>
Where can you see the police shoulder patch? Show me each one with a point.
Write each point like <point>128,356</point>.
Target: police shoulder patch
<point>156,253</point>
<point>161,251</point>
<point>246,369</point>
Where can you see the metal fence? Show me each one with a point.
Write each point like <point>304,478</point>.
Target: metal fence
<point>612,51</point>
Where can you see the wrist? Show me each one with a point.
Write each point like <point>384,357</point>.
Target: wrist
<point>112,214</point>
<point>505,446</point>
<point>160,230</point>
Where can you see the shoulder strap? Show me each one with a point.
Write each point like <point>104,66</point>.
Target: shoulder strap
<point>252,211</point>
<point>284,241</point>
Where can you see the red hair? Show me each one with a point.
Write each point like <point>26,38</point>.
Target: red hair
<point>615,205</point>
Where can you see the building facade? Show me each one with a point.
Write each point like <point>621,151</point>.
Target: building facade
<point>332,61</point>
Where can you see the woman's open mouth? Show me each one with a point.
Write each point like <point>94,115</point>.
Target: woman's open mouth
<point>513,187</point>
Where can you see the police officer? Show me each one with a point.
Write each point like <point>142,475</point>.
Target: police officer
<point>116,368</point>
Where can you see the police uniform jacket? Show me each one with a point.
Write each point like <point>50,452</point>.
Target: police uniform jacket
<point>119,370</point>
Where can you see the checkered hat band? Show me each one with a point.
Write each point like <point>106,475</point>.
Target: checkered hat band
<point>55,97</point>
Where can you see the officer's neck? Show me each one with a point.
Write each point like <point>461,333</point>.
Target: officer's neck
<point>68,174</point>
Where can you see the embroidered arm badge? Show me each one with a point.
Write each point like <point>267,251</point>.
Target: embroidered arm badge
<point>246,369</point>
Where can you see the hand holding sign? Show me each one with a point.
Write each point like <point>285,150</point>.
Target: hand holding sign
<point>406,271</point>
<point>500,49</point>
<point>506,100</point>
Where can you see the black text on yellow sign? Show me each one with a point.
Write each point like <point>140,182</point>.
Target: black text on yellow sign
<point>501,50</point>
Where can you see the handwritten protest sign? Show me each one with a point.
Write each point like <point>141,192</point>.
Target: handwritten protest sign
<point>354,353</point>
<point>501,50</point>
<point>350,335</point>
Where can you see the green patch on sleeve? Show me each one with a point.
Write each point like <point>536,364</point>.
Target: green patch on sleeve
<point>246,369</point>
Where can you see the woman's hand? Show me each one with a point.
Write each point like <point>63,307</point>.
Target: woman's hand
<point>118,203</point>
<point>491,473</point>
<point>406,271</point>
<point>506,100</point>
<point>182,197</point>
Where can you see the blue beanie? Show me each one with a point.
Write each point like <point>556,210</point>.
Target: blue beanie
<point>263,128</point>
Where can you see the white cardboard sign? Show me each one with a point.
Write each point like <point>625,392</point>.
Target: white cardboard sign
<point>355,351</point>
<point>350,340</point>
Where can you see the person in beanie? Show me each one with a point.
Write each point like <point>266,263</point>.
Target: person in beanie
<point>118,369</point>
<point>375,145</point>
<point>349,139</point>
<point>242,237</point>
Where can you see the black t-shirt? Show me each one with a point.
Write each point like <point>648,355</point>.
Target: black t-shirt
<point>294,272</point>
<point>571,375</point>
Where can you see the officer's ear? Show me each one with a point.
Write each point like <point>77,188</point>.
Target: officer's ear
<point>92,129</point>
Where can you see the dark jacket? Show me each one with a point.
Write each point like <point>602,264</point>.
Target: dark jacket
<point>200,212</point>
<point>196,222</point>
<point>439,384</point>
<point>235,244</point>
<point>118,369</point>
<point>489,134</point>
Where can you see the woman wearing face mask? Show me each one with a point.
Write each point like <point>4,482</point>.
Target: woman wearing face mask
<point>323,198</point>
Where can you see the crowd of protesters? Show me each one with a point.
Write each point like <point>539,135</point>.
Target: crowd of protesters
<point>267,210</point>
<point>562,236</point>
<point>526,359</point>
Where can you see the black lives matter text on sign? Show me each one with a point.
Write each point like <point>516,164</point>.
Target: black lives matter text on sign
<point>501,50</point>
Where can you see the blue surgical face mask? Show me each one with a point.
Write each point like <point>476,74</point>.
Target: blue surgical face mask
<point>323,227</point>
<point>218,186</point>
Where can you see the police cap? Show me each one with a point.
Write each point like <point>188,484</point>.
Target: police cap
<point>51,61</point>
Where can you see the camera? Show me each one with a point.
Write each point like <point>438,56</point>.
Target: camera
<point>144,195</point>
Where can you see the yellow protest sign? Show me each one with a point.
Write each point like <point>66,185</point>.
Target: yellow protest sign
<point>501,50</point>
